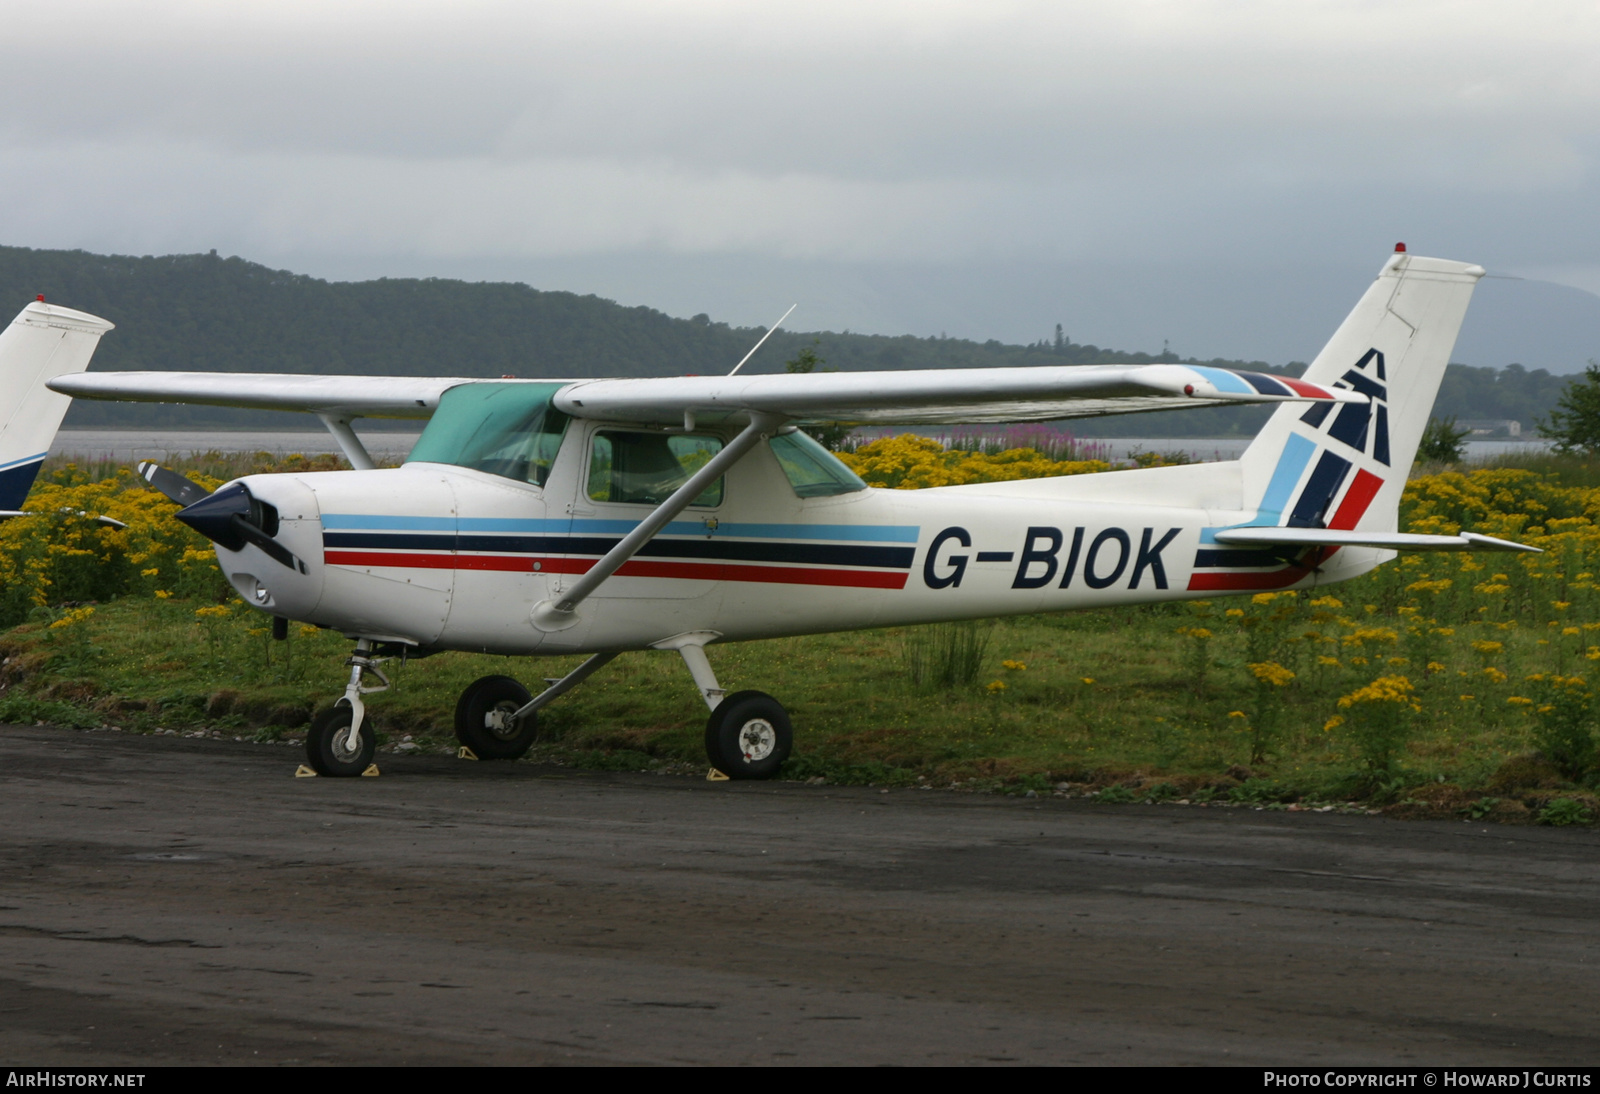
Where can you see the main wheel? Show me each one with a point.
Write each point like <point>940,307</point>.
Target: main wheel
<point>483,720</point>
<point>748,736</point>
<point>331,749</point>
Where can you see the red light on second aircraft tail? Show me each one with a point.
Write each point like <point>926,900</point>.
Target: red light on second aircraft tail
<point>1399,248</point>
<point>41,298</point>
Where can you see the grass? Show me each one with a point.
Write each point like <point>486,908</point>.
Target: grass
<point>1125,705</point>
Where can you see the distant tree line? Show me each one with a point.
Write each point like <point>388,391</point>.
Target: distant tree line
<point>202,312</point>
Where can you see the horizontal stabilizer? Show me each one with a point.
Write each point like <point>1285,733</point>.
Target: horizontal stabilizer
<point>1391,541</point>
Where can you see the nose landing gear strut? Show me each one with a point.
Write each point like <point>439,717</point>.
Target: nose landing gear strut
<point>341,741</point>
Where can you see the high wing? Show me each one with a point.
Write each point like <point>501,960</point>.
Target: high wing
<point>926,397</point>
<point>336,396</point>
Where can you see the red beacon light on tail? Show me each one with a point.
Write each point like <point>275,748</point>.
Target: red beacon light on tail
<point>1399,248</point>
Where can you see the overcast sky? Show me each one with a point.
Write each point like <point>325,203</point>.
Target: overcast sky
<point>1223,175</point>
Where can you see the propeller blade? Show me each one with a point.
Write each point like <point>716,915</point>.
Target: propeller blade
<point>271,547</point>
<point>173,485</point>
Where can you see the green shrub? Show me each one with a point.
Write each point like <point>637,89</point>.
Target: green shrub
<point>1564,811</point>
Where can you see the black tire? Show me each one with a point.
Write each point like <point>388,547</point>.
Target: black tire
<point>328,749</point>
<point>491,693</point>
<point>749,736</point>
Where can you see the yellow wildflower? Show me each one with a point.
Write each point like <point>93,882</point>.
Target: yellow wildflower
<point>76,615</point>
<point>1270,672</point>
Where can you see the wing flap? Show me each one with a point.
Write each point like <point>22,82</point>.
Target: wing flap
<point>1393,541</point>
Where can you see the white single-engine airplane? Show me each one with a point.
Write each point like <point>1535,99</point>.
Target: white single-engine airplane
<point>598,516</point>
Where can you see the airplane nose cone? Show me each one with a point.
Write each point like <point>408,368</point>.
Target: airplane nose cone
<point>212,516</point>
<point>233,517</point>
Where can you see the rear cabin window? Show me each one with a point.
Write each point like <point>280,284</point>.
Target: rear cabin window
<point>645,468</point>
<point>813,471</point>
<point>510,430</point>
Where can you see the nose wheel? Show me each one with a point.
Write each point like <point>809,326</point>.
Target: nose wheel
<point>336,747</point>
<point>748,736</point>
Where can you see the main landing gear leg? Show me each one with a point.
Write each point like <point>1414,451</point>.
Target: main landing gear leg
<point>341,741</point>
<point>496,718</point>
<point>748,735</point>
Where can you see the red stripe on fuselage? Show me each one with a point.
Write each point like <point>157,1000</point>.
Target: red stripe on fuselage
<point>691,571</point>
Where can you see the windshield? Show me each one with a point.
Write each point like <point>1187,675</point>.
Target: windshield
<point>510,430</point>
<point>813,471</point>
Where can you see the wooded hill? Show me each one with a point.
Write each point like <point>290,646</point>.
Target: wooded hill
<point>206,313</point>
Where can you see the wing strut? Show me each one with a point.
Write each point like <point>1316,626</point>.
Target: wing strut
<point>354,450</point>
<point>561,612</point>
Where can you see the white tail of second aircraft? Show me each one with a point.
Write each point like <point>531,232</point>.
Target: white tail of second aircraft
<point>42,342</point>
<point>1345,467</point>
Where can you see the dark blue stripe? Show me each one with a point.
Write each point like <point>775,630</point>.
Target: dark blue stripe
<point>1370,388</point>
<point>1351,426</point>
<point>399,541</point>
<point>1240,557</point>
<point>15,482</point>
<point>816,554</point>
<point>1316,413</point>
<point>1311,510</point>
<point>1266,385</point>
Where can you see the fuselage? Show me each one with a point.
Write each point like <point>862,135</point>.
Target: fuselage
<point>445,556</point>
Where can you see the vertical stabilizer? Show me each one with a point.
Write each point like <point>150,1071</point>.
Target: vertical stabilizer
<point>1345,467</point>
<point>42,342</point>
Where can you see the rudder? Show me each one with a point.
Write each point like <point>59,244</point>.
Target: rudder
<point>1345,467</point>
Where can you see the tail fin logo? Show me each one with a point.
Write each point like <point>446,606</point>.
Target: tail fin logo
<point>1355,425</point>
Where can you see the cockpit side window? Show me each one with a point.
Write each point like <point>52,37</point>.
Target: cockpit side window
<point>510,430</point>
<point>645,468</point>
<point>812,470</point>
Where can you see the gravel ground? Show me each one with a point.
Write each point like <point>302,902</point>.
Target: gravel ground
<point>170,900</point>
